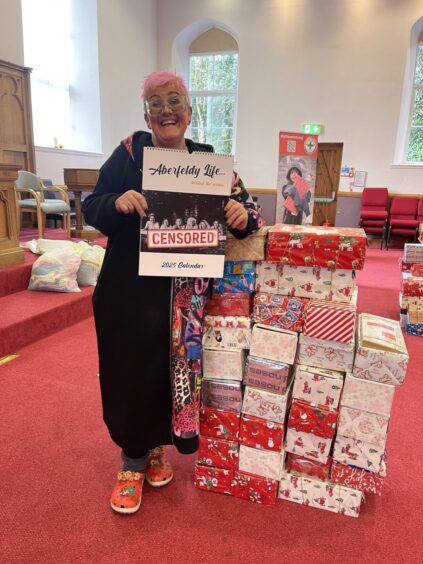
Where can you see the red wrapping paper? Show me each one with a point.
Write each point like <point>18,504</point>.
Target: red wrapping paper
<point>219,423</point>
<point>330,321</point>
<point>279,311</point>
<point>215,480</point>
<point>254,488</point>
<point>229,304</point>
<point>356,478</point>
<point>219,453</point>
<point>412,286</point>
<point>417,270</point>
<point>309,418</point>
<point>260,433</point>
<point>302,465</point>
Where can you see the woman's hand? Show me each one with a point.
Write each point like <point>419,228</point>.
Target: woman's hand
<point>236,215</point>
<point>131,202</point>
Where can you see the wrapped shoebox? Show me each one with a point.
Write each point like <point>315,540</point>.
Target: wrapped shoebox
<point>239,267</point>
<point>217,480</point>
<point>413,252</point>
<point>229,304</point>
<point>259,433</point>
<point>359,453</point>
<point>218,453</point>
<point>308,445</point>
<point>381,353</point>
<point>317,385</point>
<point>250,248</point>
<point>221,394</point>
<point>273,343</point>
<point>358,478</point>
<point>279,311</point>
<point>219,423</point>
<point>227,321</point>
<point>411,285</point>
<point>227,337</point>
<point>305,282</point>
<point>267,276</point>
<point>234,283</point>
<point>330,321</point>
<point>368,427</point>
<point>254,488</point>
<point>306,245</point>
<point>407,302</point>
<point>322,495</point>
<point>414,328</point>
<point>266,374</point>
<point>320,353</point>
<point>414,315</point>
<point>265,405</point>
<point>417,270</point>
<point>405,266</point>
<point>265,463</point>
<point>309,418</point>
<point>301,465</point>
<point>343,285</point>
<point>224,364</point>
<point>367,395</point>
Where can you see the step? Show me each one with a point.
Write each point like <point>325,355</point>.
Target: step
<point>28,316</point>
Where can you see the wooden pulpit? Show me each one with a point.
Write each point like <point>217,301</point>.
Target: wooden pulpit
<point>10,252</point>
<point>78,181</point>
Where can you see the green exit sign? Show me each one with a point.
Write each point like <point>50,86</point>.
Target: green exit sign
<point>313,128</point>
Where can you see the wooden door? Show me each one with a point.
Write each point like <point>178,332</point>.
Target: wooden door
<point>328,172</point>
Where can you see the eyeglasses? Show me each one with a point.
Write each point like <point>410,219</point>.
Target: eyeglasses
<point>155,106</point>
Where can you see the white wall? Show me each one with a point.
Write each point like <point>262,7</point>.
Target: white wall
<point>336,62</point>
<point>11,38</point>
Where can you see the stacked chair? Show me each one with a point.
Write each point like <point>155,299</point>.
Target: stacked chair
<point>403,220</point>
<point>374,213</point>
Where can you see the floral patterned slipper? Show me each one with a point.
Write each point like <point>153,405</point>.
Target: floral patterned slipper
<point>127,493</point>
<point>159,471</point>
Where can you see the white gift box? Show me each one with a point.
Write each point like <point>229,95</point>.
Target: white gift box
<point>366,395</point>
<point>273,343</point>
<point>317,385</point>
<point>331,355</point>
<point>359,453</point>
<point>266,405</point>
<point>224,364</point>
<point>308,445</point>
<point>362,425</point>
<point>305,282</point>
<point>227,337</point>
<point>260,462</point>
<point>266,277</point>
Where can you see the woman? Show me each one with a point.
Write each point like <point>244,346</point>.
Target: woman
<point>149,397</point>
<point>297,196</point>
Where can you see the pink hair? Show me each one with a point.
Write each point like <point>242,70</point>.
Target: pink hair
<point>161,78</point>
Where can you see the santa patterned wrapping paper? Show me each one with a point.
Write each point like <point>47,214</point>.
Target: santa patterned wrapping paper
<point>413,252</point>
<point>305,282</point>
<point>265,405</point>
<point>254,488</point>
<point>411,285</point>
<point>265,463</point>
<point>234,283</point>
<point>309,418</point>
<point>301,465</point>
<point>218,453</point>
<point>219,423</point>
<point>307,445</point>
<point>373,397</point>
<point>306,245</point>
<point>362,425</point>
<point>250,248</point>
<point>317,385</point>
<point>221,394</point>
<point>381,353</point>
<point>239,267</point>
<point>267,374</point>
<point>217,480</point>
<point>279,311</point>
<point>229,304</point>
<point>259,433</point>
<point>227,337</point>
<point>267,276</point>
<point>223,364</point>
<point>273,343</point>
<point>343,285</point>
<point>322,495</point>
<point>417,270</point>
<point>359,453</point>
<point>325,354</point>
<point>233,321</point>
<point>330,321</point>
<point>357,478</point>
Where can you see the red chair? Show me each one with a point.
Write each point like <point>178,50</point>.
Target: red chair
<point>373,212</point>
<point>420,211</point>
<point>402,219</point>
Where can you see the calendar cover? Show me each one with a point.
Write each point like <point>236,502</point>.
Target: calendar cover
<point>184,231</point>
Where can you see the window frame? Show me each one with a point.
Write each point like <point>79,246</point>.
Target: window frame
<point>414,89</point>
<point>217,93</point>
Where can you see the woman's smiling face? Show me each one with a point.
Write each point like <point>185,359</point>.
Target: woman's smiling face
<point>168,128</point>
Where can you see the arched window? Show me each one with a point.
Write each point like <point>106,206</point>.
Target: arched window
<point>414,151</point>
<point>213,84</point>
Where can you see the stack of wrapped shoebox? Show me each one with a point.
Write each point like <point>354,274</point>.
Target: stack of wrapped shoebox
<point>282,425</point>
<point>411,295</point>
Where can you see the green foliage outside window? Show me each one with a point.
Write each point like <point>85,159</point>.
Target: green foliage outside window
<point>415,146</point>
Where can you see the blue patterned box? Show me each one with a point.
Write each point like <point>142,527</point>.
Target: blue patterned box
<point>239,267</point>
<point>414,329</point>
<point>235,283</point>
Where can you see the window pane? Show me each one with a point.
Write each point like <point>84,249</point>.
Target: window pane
<point>212,121</point>
<point>200,72</point>
<point>225,72</point>
<point>415,148</point>
<point>417,117</point>
<point>418,79</point>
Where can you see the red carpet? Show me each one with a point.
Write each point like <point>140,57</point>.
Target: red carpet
<point>58,464</point>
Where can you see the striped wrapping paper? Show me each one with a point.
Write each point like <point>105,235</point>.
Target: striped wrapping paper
<point>330,321</point>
